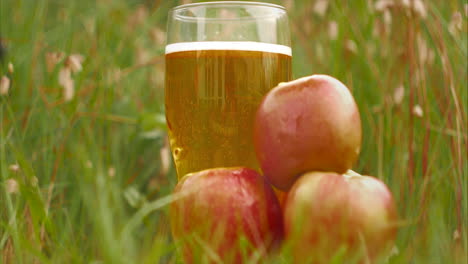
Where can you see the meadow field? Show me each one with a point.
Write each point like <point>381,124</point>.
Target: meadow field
<point>86,173</point>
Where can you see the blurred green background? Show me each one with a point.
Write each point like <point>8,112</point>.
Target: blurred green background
<point>85,169</point>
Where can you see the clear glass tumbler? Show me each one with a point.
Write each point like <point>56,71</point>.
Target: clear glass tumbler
<point>221,59</point>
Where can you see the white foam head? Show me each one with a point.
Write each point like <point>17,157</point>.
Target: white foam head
<point>228,45</point>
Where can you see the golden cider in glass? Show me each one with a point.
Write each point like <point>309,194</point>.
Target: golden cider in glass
<point>212,93</point>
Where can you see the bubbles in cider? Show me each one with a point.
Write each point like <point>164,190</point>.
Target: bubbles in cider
<point>212,92</point>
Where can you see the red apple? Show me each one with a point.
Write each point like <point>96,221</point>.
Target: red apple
<point>310,124</point>
<point>328,213</point>
<point>226,215</point>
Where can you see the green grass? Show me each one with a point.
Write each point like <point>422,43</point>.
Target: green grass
<point>91,185</point>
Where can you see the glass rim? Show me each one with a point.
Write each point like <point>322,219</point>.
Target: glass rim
<point>222,4</point>
<point>228,3</point>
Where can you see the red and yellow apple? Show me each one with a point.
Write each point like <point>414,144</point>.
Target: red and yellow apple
<point>225,214</point>
<point>328,213</point>
<point>309,124</point>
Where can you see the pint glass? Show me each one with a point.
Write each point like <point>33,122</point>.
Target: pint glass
<point>221,59</point>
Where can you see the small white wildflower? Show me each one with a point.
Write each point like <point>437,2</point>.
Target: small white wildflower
<point>426,55</point>
<point>399,94</point>
<point>393,252</point>
<point>4,85</point>
<point>12,186</point>
<point>420,8</point>
<point>165,153</point>
<point>430,57</point>
<point>320,7</point>
<point>69,91</point>
<point>387,18</point>
<point>74,62</point>
<point>422,49</point>
<point>11,69</point>
<point>456,234</point>
<point>111,172</point>
<point>333,30</point>
<point>383,5</point>
<point>52,59</point>
<point>67,83</point>
<point>456,23</point>
<point>406,3</point>
<point>417,111</point>
<point>14,167</point>
<point>417,6</point>
<point>63,75</point>
<point>351,46</point>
